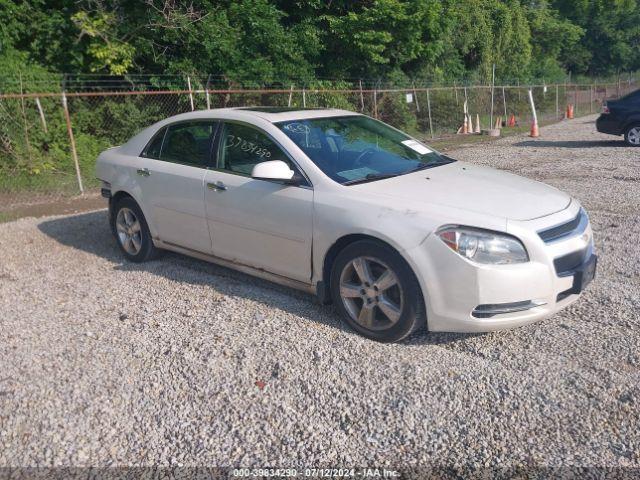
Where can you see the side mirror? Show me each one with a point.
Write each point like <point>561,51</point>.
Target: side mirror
<point>273,170</point>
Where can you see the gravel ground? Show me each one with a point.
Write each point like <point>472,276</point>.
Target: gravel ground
<point>104,362</point>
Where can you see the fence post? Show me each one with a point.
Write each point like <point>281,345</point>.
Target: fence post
<point>575,98</point>
<point>72,141</point>
<point>493,86</point>
<point>375,101</point>
<point>429,110</point>
<point>206,90</point>
<point>455,90</point>
<point>190,93</point>
<point>618,85</point>
<point>361,97</point>
<point>304,98</point>
<point>504,101</point>
<point>415,95</point>
<point>557,101</point>
<point>591,99</point>
<point>26,126</point>
<point>290,95</point>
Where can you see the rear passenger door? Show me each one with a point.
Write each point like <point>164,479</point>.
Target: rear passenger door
<point>172,182</point>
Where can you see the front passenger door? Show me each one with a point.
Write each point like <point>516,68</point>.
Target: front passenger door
<point>258,223</point>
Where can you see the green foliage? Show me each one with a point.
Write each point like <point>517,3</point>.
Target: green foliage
<point>612,35</point>
<point>376,38</point>
<point>271,40</point>
<point>556,42</point>
<point>114,56</point>
<point>253,43</point>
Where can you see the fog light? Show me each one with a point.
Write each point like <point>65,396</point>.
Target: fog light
<point>492,309</point>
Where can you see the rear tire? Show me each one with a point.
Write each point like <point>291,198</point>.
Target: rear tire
<point>376,292</point>
<point>131,231</point>
<point>632,135</point>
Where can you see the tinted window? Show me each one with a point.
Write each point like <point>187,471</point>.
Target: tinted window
<point>152,150</point>
<point>632,97</point>
<point>358,148</point>
<point>188,143</point>
<point>242,147</point>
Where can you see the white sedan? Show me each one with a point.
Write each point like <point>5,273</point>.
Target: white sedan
<point>395,234</point>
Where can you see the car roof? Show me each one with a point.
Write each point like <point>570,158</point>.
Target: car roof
<point>270,114</point>
<point>249,114</point>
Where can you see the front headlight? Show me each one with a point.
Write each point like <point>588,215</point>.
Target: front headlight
<point>484,246</point>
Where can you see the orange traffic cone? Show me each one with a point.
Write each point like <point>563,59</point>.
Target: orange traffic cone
<point>535,133</point>
<point>465,126</point>
<point>512,121</point>
<point>570,112</point>
<point>477,129</point>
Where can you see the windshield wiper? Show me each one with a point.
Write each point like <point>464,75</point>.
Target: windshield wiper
<point>371,177</point>
<point>441,161</point>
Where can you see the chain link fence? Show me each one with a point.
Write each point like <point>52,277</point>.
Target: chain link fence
<point>49,141</point>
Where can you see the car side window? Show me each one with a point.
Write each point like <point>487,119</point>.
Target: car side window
<point>188,143</point>
<point>242,147</point>
<point>152,150</point>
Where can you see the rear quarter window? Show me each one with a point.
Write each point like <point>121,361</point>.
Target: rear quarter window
<point>154,147</point>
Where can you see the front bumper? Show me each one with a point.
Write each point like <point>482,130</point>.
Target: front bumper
<point>462,296</point>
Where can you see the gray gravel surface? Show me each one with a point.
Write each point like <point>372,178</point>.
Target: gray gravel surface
<point>104,362</point>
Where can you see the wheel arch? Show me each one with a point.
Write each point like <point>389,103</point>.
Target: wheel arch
<point>632,121</point>
<point>119,195</point>
<point>333,251</point>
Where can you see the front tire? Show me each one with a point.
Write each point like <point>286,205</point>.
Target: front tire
<point>632,135</point>
<point>132,232</point>
<point>376,292</point>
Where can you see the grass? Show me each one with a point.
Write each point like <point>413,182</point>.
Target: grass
<point>6,217</point>
<point>54,184</point>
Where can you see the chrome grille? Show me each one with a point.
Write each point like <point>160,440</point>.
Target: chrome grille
<point>568,229</point>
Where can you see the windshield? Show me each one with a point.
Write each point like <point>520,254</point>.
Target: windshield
<point>357,149</point>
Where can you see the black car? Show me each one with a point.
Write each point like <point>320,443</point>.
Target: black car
<point>622,117</point>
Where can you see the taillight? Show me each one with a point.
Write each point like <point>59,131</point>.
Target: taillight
<point>605,108</point>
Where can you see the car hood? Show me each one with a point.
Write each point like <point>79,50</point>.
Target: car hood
<point>473,188</point>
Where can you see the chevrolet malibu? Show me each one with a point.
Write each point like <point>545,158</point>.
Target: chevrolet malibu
<point>396,235</point>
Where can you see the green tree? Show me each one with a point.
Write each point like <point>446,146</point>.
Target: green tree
<point>555,43</point>
<point>612,34</point>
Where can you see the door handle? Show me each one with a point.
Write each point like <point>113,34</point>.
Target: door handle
<point>217,187</point>
<point>143,172</point>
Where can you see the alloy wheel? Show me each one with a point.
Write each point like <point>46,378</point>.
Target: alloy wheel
<point>371,293</point>
<point>634,136</point>
<point>129,231</point>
